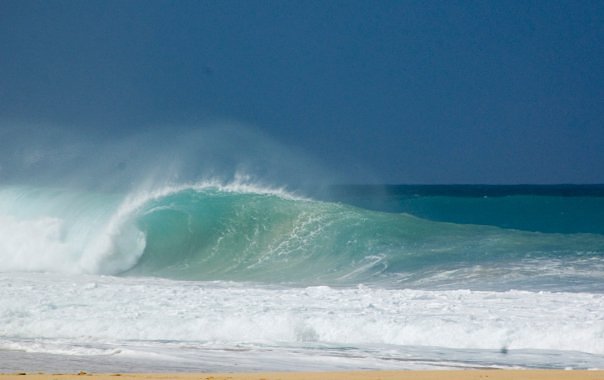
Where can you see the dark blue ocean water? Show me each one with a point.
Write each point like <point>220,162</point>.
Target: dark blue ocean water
<point>543,208</point>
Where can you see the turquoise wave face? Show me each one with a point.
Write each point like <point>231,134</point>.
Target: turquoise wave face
<point>217,235</point>
<point>213,234</point>
<point>247,234</point>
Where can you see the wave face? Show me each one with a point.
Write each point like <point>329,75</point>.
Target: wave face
<point>244,233</point>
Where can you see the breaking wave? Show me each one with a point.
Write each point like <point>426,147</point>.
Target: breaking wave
<point>243,232</point>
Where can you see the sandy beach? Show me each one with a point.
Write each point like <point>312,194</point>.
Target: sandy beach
<point>353,375</point>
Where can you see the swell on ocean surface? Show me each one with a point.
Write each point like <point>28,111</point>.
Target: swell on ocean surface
<point>239,232</point>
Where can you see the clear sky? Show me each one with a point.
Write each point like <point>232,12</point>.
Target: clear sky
<point>380,91</point>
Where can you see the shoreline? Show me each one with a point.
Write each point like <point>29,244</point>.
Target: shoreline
<point>348,375</point>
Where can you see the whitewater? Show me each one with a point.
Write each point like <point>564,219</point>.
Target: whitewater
<point>238,276</point>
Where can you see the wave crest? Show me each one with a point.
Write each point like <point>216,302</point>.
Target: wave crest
<point>244,232</point>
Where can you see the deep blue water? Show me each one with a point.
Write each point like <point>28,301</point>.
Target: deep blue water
<point>544,208</point>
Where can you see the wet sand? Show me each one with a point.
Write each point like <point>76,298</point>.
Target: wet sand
<point>353,375</point>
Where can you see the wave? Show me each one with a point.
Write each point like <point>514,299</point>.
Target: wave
<point>243,232</point>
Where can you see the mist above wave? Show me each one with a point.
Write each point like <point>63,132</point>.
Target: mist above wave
<point>46,155</point>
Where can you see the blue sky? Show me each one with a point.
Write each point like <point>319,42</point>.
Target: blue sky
<point>376,91</point>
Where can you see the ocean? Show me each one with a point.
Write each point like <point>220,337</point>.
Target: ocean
<point>237,276</point>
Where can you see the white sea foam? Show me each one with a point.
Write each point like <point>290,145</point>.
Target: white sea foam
<point>60,231</point>
<point>84,311</point>
<point>34,244</point>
